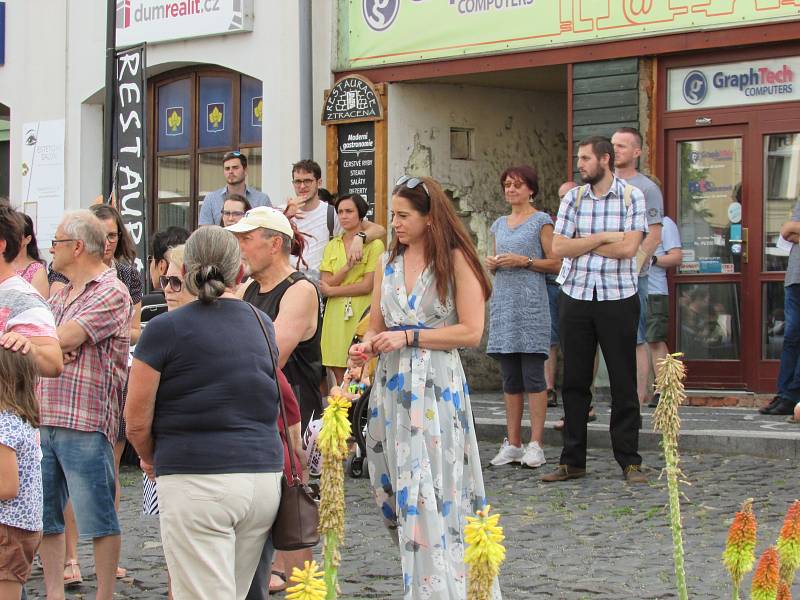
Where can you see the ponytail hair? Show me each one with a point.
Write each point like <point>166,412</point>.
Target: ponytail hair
<point>212,260</point>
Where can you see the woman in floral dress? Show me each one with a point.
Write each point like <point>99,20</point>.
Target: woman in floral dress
<point>428,301</point>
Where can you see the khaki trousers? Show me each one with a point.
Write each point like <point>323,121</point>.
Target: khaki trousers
<point>213,528</point>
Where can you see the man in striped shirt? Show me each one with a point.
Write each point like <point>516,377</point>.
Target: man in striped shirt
<point>599,229</point>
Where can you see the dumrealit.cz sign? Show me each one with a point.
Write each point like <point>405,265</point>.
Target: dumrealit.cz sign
<point>150,21</point>
<point>734,84</point>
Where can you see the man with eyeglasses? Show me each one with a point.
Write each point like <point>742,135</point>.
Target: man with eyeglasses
<point>234,166</point>
<point>80,409</point>
<point>319,221</point>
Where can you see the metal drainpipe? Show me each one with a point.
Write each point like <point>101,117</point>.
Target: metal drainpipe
<point>306,82</point>
<point>108,108</point>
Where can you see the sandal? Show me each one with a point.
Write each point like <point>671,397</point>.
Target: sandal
<point>280,587</point>
<point>72,573</point>
<point>121,573</point>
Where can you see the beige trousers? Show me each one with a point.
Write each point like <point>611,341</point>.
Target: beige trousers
<point>213,528</point>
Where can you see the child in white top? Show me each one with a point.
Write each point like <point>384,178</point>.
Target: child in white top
<point>20,471</point>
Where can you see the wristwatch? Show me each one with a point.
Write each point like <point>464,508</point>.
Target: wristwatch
<point>530,263</point>
<point>363,236</point>
<point>654,260</point>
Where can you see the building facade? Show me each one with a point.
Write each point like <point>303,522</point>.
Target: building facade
<point>221,75</point>
<point>712,85</point>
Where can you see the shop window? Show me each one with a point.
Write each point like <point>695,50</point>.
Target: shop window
<point>200,115</point>
<point>781,191</point>
<point>708,321</point>
<point>251,111</point>
<point>773,320</point>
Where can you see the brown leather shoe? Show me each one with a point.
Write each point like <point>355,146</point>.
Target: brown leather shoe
<point>564,472</point>
<point>634,474</point>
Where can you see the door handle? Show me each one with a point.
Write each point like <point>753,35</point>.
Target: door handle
<point>745,245</point>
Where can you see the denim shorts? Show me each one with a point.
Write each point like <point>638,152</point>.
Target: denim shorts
<point>78,465</point>
<point>553,290</point>
<point>641,334</point>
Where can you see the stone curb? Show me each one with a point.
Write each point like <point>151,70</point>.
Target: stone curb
<point>775,444</point>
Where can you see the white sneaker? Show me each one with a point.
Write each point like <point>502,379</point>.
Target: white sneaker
<point>508,454</point>
<point>534,455</point>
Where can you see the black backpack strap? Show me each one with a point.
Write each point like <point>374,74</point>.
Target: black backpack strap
<point>331,220</point>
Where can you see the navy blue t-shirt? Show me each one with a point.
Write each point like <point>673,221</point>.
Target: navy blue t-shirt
<point>217,403</point>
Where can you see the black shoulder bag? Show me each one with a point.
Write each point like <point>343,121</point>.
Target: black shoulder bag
<point>297,525</point>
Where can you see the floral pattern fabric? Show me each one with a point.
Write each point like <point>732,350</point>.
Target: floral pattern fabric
<point>422,452</point>
<point>24,511</point>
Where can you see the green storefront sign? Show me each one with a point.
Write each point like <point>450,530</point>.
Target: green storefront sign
<point>381,32</point>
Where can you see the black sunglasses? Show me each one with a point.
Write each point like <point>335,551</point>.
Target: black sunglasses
<point>173,281</point>
<point>412,182</point>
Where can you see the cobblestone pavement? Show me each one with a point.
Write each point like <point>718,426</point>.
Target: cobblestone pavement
<point>590,538</point>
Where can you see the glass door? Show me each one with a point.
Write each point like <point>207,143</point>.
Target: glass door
<point>709,292</point>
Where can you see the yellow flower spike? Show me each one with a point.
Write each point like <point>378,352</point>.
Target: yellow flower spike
<point>484,552</point>
<point>310,585</point>
<point>333,444</point>
<point>335,432</point>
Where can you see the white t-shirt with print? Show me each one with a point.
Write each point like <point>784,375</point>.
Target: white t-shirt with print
<point>24,311</point>
<point>315,225</point>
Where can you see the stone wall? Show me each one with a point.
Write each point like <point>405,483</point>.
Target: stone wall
<point>508,127</point>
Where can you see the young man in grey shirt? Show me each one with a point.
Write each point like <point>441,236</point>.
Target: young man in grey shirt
<point>627,143</point>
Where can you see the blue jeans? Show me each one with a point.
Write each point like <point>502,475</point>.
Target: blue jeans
<point>789,375</point>
<point>78,465</point>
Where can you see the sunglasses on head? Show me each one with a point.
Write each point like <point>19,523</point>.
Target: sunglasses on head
<point>411,183</point>
<point>173,282</point>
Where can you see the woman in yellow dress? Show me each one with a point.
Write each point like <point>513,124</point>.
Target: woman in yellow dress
<point>348,288</point>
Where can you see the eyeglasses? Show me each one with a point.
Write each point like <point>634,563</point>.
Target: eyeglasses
<point>54,242</point>
<point>233,213</point>
<point>411,183</point>
<point>173,281</point>
<point>113,237</point>
<point>509,183</point>
<point>299,182</point>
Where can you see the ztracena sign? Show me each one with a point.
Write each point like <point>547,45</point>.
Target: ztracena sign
<point>352,99</point>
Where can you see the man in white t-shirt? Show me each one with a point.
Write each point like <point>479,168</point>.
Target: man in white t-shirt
<point>26,323</point>
<point>668,254</point>
<point>318,219</point>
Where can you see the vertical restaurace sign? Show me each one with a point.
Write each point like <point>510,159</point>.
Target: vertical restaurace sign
<point>129,147</point>
<point>352,106</point>
<point>356,164</point>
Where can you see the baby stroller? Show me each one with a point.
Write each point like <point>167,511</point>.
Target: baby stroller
<point>359,411</point>
<point>358,420</point>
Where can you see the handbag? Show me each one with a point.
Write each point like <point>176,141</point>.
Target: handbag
<point>296,526</point>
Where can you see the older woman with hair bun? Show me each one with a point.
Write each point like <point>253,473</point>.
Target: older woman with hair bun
<point>206,421</point>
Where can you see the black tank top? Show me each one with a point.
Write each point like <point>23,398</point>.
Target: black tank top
<point>304,367</point>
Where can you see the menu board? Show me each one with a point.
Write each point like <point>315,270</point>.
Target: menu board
<point>356,163</point>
